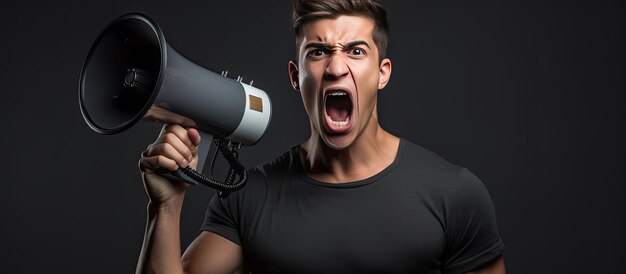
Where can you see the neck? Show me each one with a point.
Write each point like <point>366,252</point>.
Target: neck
<point>371,152</point>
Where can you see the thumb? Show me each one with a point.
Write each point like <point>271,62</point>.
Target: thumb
<point>194,135</point>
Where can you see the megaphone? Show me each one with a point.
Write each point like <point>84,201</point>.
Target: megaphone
<point>131,73</point>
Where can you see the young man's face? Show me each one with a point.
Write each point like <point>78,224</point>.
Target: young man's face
<point>339,74</point>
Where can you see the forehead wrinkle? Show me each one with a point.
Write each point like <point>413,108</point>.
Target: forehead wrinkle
<point>334,35</point>
<point>341,30</point>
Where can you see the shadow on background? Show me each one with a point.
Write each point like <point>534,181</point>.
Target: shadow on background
<point>529,96</point>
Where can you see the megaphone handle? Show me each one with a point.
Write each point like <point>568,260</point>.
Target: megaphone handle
<point>236,170</point>
<point>206,140</point>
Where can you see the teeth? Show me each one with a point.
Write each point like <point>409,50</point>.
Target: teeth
<point>340,123</point>
<point>337,93</point>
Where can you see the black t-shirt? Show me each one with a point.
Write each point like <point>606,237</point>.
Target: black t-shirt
<point>421,214</point>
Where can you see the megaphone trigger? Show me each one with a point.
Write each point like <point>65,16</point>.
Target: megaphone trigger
<point>229,151</point>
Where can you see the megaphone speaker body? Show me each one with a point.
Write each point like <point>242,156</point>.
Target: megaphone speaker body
<point>131,73</point>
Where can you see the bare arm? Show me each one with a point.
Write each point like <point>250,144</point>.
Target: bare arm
<point>494,267</point>
<point>211,253</point>
<point>161,252</point>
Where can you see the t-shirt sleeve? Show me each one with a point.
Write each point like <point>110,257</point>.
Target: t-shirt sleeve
<point>472,237</point>
<point>221,218</point>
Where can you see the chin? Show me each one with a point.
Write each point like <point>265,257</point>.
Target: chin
<point>338,142</point>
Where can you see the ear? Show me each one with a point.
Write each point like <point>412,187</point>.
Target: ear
<point>293,75</point>
<point>384,73</point>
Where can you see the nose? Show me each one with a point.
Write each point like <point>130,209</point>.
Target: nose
<point>336,67</point>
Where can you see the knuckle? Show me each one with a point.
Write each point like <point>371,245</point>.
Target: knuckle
<point>172,153</point>
<point>148,152</point>
<point>159,160</point>
<point>173,128</point>
<point>155,149</point>
<point>162,161</point>
<point>169,137</point>
<point>187,153</point>
<point>167,148</point>
<point>169,127</point>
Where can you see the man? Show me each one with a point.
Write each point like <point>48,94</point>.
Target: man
<point>351,199</point>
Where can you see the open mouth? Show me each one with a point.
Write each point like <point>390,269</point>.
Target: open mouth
<point>338,108</point>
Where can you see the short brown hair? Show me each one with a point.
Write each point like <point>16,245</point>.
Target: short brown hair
<point>306,11</point>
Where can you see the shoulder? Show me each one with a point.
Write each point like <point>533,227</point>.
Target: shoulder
<point>427,166</point>
<point>418,155</point>
<point>261,183</point>
<point>273,171</point>
<point>278,168</point>
<point>435,173</point>
<point>458,191</point>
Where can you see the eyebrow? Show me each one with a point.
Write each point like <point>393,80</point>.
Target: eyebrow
<point>328,46</point>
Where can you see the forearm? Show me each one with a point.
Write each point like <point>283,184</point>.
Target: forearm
<point>161,251</point>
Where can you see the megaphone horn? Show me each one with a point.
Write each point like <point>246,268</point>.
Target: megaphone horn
<point>131,73</point>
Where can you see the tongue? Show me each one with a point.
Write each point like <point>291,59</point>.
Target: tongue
<point>338,107</point>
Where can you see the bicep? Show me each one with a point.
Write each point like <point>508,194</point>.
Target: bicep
<point>212,253</point>
<point>494,267</point>
<point>472,237</point>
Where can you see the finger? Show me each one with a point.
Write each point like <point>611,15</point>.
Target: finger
<point>167,150</point>
<point>156,162</point>
<point>168,128</point>
<point>174,141</point>
<point>194,135</point>
<point>181,133</point>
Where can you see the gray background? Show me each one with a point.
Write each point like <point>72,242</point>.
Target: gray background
<point>527,95</point>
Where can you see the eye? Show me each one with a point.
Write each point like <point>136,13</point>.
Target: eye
<point>356,51</point>
<point>317,53</point>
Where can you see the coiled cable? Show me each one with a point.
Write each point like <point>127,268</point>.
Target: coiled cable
<point>236,168</point>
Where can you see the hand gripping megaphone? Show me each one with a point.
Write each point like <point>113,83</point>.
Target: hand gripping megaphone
<point>131,73</point>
